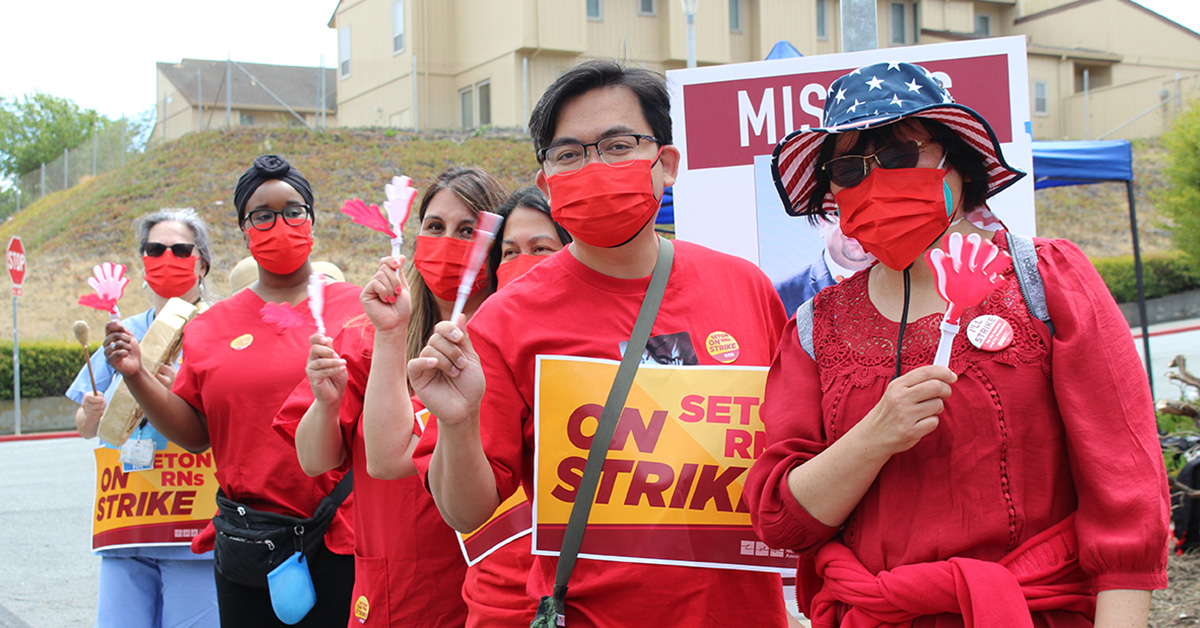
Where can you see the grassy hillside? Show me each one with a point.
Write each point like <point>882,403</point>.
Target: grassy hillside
<point>66,233</point>
<point>1096,217</point>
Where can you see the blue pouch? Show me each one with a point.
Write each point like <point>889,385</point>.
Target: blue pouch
<point>291,587</point>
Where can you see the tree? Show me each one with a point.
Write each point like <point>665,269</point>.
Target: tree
<point>36,130</point>
<point>1180,201</point>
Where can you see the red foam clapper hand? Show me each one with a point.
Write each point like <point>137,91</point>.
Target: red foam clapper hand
<point>282,316</point>
<point>368,216</point>
<point>965,274</point>
<point>109,282</point>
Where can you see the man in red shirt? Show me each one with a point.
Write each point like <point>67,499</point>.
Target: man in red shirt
<point>603,139</point>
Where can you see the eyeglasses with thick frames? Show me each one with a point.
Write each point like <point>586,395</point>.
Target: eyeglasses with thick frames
<point>611,150</point>
<point>293,216</point>
<point>850,170</point>
<point>179,249</point>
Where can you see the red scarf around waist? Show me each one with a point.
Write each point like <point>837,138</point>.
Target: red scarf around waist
<point>1043,574</point>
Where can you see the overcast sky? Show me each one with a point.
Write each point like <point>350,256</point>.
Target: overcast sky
<point>102,54</point>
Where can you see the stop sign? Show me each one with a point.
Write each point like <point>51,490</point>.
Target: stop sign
<point>16,263</point>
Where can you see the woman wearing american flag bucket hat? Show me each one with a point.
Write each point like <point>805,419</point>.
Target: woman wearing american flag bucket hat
<point>1022,485</point>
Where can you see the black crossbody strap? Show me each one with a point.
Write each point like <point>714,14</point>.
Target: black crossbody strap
<point>577,523</point>
<point>343,488</point>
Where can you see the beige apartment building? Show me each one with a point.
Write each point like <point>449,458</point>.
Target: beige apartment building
<point>193,96</point>
<point>472,63</point>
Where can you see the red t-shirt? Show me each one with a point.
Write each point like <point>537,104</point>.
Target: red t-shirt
<point>495,589</point>
<point>239,370</point>
<point>1030,434</point>
<point>408,567</point>
<point>562,307</point>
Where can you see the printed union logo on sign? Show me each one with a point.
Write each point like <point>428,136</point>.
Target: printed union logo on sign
<point>16,264</point>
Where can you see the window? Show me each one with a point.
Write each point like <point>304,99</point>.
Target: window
<point>1097,76</point>
<point>646,7</point>
<point>897,23</point>
<point>397,26</point>
<point>594,10</point>
<point>735,16</point>
<point>483,94</point>
<point>246,119</point>
<point>344,50</point>
<point>822,28</point>
<point>466,107</point>
<point>983,25</point>
<point>1041,98</point>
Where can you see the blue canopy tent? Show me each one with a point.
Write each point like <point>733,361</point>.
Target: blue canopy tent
<point>1082,163</point>
<point>666,209</point>
<point>783,49</point>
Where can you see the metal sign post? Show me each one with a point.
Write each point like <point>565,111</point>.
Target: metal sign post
<point>15,261</point>
<point>859,25</point>
<point>16,371</point>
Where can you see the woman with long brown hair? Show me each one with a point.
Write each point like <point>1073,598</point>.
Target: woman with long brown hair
<point>356,408</point>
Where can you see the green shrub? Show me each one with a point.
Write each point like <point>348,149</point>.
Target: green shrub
<point>47,367</point>
<point>1162,274</point>
<point>1179,200</point>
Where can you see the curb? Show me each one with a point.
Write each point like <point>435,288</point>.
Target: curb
<point>1137,332</point>
<point>36,436</point>
<point>1173,307</point>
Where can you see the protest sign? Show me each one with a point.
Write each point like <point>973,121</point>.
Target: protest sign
<point>671,487</point>
<point>167,504</point>
<point>727,120</point>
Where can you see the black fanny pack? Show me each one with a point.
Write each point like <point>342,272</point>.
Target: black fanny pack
<point>250,543</point>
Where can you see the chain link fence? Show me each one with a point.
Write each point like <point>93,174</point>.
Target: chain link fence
<point>107,150</point>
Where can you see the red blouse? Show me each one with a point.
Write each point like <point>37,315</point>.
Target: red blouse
<point>1042,429</point>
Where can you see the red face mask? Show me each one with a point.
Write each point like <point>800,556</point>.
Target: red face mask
<point>170,276</point>
<point>282,249</point>
<point>442,262</point>
<point>896,214</point>
<point>604,205</point>
<point>512,269</point>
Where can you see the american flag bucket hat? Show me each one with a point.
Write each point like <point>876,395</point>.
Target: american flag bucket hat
<point>874,96</point>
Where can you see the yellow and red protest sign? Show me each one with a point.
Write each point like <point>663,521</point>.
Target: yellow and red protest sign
<point>166,505</point>
<point>671,487</point>
<point>512,520</point>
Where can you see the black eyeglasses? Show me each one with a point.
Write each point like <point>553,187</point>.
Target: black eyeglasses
<point>612,150</point>
<point>179,249</point>
<point>850,170</point>
<point>293,216</point>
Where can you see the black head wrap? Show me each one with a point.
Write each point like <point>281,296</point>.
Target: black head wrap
<point>265,168</point>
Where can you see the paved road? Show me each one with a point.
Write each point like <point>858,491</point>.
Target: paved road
<point>47,570</point>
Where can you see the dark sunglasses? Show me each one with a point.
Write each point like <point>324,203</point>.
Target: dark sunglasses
<point>850,170</point>
<point>180,250</point>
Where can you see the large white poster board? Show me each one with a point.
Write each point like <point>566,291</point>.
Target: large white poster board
<point>727,120</point>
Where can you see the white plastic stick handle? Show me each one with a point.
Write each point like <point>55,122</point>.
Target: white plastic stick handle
<point>464,291</point>
<point>397,242</point>
<point>949,331</point>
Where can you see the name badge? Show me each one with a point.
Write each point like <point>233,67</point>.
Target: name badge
<point>137,454</point>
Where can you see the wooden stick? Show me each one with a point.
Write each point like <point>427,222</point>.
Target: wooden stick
<point>81,334</point>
